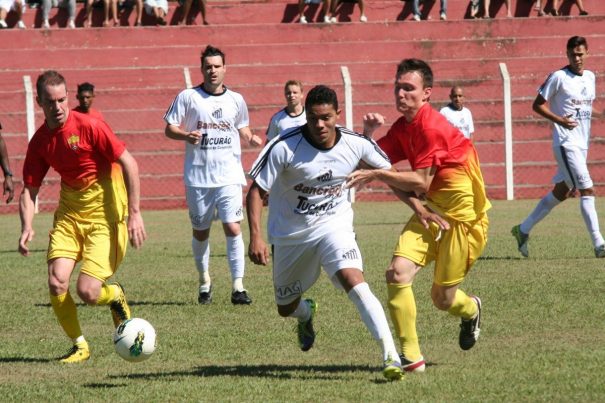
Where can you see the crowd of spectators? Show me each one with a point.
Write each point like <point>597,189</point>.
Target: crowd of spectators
<point>158,11</point>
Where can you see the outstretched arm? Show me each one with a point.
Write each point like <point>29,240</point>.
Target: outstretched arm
<point>417,181</point>
<point>27,208</point>
<point>258,250</point>
<point>136,227</point>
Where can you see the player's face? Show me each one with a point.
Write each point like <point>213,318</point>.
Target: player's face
<point>293,95</point>
<point>410,95</point>
<point>213,71</point>
<point>457,98</point>
<point>577,57</point>
<point>85,99</point>
<point>321,122</point>
<point>53,101</point>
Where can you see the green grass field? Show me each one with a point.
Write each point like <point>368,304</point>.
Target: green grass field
<point>542,336</point>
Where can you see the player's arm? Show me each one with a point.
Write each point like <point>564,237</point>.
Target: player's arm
<point>136,226</point>
<point>27,208</point>
<point>9,187</point>
<point>540,106</point>
<point>176,133</point>
<point>417,181</point>
<point>247,135</point>
<point>424,213</point>
<point>258,250</point>
<point>371,122</point>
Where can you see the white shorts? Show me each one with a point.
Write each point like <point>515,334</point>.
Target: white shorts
<point>573,169</point>
<point>226,201</point>
<point>297,267</point>
<point>151,4</point>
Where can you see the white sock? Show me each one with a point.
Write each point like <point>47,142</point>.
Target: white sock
<point>544,206</point>
<point>201,256</point>
<point>238,284</point>
<point>591,219</point>
<point>235,256</point>
<point>79,339</point>
<point>302,311</point>
<point>374,318</point>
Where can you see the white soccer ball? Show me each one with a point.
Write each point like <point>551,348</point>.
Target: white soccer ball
<point>134,340</point>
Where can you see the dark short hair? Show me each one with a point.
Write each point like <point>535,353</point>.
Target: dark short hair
<point>576,41</point>
<point>320,95</point>
<point>420,66</point>
<point>293,82</point>
<point>86,87</point>
<point>212,51</point>
<point>49,77</point>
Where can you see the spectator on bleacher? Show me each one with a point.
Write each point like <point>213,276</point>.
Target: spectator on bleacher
<point>8,186</point>
<point>509,10</point>
<point>138,6</point>
<point>457,114</point>
<point>211,119</point>
<point>566,99</point>
<point>108,6</point>
<point>362,14</point>
<point>556,10</point>
<point>442,10</point>
<point>71,11</point>
<point>157,9</point>
<point>293,115</point>
<point>327,9</point>
<point>6,6</point>
<point>474,12</point>
<point>186,19</point>
<point>85,97</point>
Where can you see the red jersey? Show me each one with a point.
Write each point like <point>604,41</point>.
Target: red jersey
<point>93,113</point>
<point>429,140</point>
<point>84,152</point>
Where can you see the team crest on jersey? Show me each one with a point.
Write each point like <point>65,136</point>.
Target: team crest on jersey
<point>325,177</point>
<point>218,114</point>
<point>73,141</point>
<point>584,91</point>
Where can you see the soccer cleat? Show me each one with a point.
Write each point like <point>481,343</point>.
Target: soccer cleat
<point>306,333</point>
<point>470,328</point>
<point>413,366</point>
<point>392,369</point>
<point>522,240</point>
<point>205,297</point>
<point>120,311</point>
<point>78,353</point>
<point>363,18</point>
<point>240,298</point>
<point>599,251</point>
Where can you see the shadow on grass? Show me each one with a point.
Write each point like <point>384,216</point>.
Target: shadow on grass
<point>131,303</point>
<point>104,385</point>
<point>25,359</point>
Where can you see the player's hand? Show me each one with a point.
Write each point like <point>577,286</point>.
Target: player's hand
<point>9,189</point>
<point>258,251</point>
<point>427,216</point>
<point>568,123</point>
<point>255,141</point>
<point>24,239</point>
<point>136,230</point>
<point>360,177</point>
<point>371,122</point>
<point>193,137</point>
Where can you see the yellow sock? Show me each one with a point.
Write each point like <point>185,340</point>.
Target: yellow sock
<point>66,313</point>
<point>402,306</point>
<point>108,294</point>
<point>463,306</point>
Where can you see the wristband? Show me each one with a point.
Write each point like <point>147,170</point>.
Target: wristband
<point>8,173</point>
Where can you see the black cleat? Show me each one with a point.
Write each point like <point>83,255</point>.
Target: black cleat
<point>204,298</point>
<point>470,328</point>
<point>240,298</point>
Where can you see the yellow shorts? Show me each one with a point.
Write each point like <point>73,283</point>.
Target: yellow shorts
<point>454,253</point>
<point>100,246</point>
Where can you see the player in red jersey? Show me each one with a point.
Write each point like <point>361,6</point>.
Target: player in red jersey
<point>85,97</point>
<point>451,229</point>
<point>90,222</point>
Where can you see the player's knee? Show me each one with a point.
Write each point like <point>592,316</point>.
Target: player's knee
<point>88,295</point>
<point>441,301</point>
<point>57,287</point>
<point>287,310</point>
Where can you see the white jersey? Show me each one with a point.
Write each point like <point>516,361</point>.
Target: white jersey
<point>282,121</point>
<point>216,160</point>
<point>461,119</point>
<point>571,95</point>
<point>308,197</point>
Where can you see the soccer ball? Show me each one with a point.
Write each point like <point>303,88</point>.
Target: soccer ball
<point>134,340</point>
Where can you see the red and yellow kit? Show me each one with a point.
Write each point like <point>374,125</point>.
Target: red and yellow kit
<point>93,113</point>
<point>84,152</point>
<point>457,193</point>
